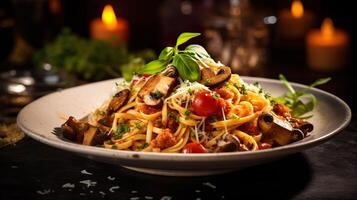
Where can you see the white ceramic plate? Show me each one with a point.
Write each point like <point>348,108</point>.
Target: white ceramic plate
<point>39,119</point>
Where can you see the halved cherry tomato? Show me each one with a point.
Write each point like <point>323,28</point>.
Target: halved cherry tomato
<point>205,105</point>
<point>193,148</point>
<point>264,146</point>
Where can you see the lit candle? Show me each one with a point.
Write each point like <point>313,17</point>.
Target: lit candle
<point>294,23</point>
<point>109,27</point>
<point>327,49</point>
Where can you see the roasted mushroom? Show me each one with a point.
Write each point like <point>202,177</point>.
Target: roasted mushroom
<point>210,78</point>
<point>228,143</point>
<point>278,131</point>
<point>118,100</point>
<point>170,71</point>
<point>107,120</point>
<point>156,88</point>
<point>89,135</point>
<point>74,130</point>
<point>306,127</point>
<point>95,136</point>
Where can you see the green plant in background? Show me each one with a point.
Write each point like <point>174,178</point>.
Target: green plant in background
<point>91,59</point>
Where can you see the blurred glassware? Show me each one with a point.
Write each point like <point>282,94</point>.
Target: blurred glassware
<point>239,40</point>
<point>20,87</point>
<point>178,16</point>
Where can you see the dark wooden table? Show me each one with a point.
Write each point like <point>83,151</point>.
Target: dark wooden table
<point>31,170</point>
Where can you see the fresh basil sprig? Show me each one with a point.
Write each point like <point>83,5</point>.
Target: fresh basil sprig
<point>185,61</point>
<point>187,67</point>
<point>300,102</point>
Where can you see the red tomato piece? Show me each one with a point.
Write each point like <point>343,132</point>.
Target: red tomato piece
<point>193,148</point>
<point>205,105</point>
<point>265,146</point>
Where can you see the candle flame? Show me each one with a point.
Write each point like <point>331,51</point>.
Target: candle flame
<point>108,17</point>
<point>327,28</point>
<point>297,9</point>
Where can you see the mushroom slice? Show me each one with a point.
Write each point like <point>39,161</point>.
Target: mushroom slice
<point>156,88</point>
<point>210,78</point>
<point>118,100</point>
<point>170,71</point>
<point>89,135</point>
<point>277,130</point>
<point>306,127</point>
<point>229,143</point>
<point>73,129</point>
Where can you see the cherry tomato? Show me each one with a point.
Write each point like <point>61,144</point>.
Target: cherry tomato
<point>205,105</point>
<point>193,148</point>
<point>264,146</point>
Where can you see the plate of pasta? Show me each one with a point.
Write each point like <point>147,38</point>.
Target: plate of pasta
<point>186,114</point>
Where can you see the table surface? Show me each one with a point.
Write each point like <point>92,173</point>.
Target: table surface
<point>32,170</point>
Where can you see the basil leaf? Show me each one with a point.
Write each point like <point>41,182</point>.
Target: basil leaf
<point>184,37</point>
<point>320,82</point>
<point>300,108</point>
<point>153,67</point>
<point>197,49</point>
<point>187,67</point>
<point>166,54</point>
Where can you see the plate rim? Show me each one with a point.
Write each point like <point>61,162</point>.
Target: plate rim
<point>109,153</point>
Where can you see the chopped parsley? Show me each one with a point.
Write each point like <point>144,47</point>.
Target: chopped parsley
<point>170,114</point>
<point>137,125</point>
<point>242,89</point>
<point>143,146</point>
<point>177,119</point>
<point>114,147</point>
<point>102,112</point>
<point>157,94</point>
<point>213,118</point>
<point>187,113</point>
<point>215,96</point>
<point>235,117</point>
<point>123,128</point>
<point>190,91</point>
<point>109,142</point>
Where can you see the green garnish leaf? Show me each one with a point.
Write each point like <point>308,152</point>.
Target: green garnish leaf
<point>143,146</point>
<point>286,83</point>
<point>190,91</point>
<point>187,113</point>
<point>198,50</point>
<point>318,82</point>
<point>242,89</point>
<point>153,67</point>
<point>300,102</point>
<point>122,128</point>
<point>184,37</point>
<point>137,125</point>
<point>187,67</point>
<point>157,94</point>
<point>166,54</point>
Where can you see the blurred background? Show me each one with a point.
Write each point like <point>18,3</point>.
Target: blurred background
<point>46,45</point>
